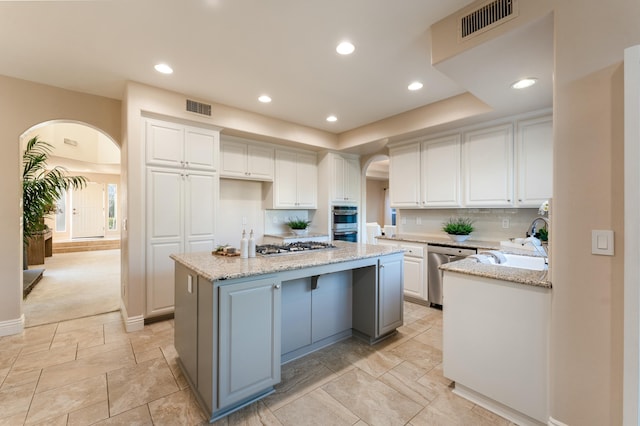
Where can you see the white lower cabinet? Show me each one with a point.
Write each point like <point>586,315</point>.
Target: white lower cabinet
<point>249,339</point>
<point>180,212</point>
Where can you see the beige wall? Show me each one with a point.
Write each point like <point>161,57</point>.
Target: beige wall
<point>586,345</point>
<point>23,105</point>
<point>375,201</point>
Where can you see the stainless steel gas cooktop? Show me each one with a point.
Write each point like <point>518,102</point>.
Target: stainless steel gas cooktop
<point>269,249</point>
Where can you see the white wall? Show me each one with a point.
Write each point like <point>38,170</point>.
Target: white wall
<point>240,201</point>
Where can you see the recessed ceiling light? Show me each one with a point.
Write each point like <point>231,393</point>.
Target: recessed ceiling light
<point>345,48</point>
<point>416,85</point>
<point>332,118</point>
<point>265,99</point>
<point>164,68</point>
<point>524,83</point>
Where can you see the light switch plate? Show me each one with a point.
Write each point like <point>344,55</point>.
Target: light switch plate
<point>602,242</point>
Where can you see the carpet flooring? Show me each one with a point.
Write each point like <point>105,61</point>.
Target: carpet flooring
<point>74,285</point>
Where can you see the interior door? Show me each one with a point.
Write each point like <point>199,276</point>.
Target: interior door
<point>87,211</point>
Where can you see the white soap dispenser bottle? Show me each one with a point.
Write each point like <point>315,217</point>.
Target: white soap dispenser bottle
<point>244,246</point>
<point>252,245</point>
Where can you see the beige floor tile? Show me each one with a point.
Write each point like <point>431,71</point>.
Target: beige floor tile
<point>31,336</point>
<point>317,408</point>
<point>147,355</point>
<point>147,341</point>
<point>20,378</point>
<point>133,386</point>
<point>57,421</point>
<point>43,359</point>
<point>89,415</point>
<point>72,371</point>
<point>377,363</point>
<point>178,408</point>
<point>8,357</point>
<point>404,378</point>
<point>15,401</point>
<point>450,409</point>
<point>298,378</point>
<point>371,400</point>
<point>109,318</point>
<point>84,337</point>
<point>431,337</point>
<point>18,419</point>
<point>171,355</point>
<point>66,399</point>
<point>138,416</point>
<point>256,414</point>
<point>422,355</point>
<point>107,347</point>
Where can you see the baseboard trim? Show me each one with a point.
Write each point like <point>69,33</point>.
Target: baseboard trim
<point>554,422</point>
<point>495,406</point>
<point>131,324</point>
<point>10,327</point>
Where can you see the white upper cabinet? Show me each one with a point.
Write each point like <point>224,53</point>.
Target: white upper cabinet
<point>296,180</point>
<point>345,175</point>
<point>441,172</point>
<point>488,166</point>
<point>175,145</point>
<point>534,154</point>
<point>404,176</point>
<point>244,160</point>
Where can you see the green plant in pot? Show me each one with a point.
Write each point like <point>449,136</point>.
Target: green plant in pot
<point>458,228</point>
<point>297,225</point>
<point>41,188</point>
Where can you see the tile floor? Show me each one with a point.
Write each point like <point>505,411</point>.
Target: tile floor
<point>89,371</point>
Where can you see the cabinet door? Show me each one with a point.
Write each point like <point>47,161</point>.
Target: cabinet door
<point>200,210</point>
<point>441,172</point>
<point>534,153</point>
<point>414,277</point>
<point>404,176</point>
<point>186,320</point>
<point>165,235</point>
<point>390,293</point>
<point>488,166</point>
<point>200,146</point>
<point>164,143</point>
<point>307,181</point>
<point>233,158</point>
<point>351,179</point>
<point>260,162</point>
<point>249,339</point>
<point>285,189</point>
<point>339,177</point>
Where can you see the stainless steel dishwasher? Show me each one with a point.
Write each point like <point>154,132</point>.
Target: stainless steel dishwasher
<point>436,256</point>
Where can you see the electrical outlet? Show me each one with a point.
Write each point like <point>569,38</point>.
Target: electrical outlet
<point>505,223</point>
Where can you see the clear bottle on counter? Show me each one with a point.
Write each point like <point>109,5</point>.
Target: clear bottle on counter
<point>252,245</point>
<point>244,246</point>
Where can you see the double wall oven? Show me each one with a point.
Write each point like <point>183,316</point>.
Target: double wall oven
<point>345,223</point>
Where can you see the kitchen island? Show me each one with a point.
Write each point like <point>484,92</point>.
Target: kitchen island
<point>237,320</point>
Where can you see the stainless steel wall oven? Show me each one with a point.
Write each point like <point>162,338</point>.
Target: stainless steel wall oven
<point>345,223</point>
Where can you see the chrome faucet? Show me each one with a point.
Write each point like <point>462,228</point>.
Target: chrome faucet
<point>531,232</point>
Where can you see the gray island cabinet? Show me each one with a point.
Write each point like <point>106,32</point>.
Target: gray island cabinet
<point>237,320</point>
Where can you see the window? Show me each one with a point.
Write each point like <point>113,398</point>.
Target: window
<point>61,212</point>
<point>112,191</point>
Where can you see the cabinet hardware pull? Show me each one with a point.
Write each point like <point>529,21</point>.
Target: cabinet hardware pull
<point>277,286</point>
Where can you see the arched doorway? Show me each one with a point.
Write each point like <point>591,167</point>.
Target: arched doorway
<point>81,274</point>
<point>375,194</point>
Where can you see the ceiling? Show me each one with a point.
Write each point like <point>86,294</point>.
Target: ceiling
<point>232,51</point>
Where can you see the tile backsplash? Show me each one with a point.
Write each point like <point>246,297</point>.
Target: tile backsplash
<point>489,224</point>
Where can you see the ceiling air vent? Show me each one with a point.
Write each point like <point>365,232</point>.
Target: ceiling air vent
<point>198,107</point>
<point>487,16</point>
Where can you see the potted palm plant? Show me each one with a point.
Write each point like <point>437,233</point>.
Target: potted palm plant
<point>458,228</point>
<point>41,188</point>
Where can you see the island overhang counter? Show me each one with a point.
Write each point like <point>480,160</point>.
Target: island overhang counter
<point>237,320</point>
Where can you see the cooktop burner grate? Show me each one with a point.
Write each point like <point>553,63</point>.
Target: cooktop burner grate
<point>268,249</point>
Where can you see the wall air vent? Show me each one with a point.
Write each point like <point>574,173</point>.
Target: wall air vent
<point>198,107</point>
<point>485,17</point>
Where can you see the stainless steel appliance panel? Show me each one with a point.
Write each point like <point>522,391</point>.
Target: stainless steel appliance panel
<point>438,255</point>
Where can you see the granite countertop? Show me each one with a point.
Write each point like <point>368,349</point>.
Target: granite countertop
<point>503,273</point>
<point>291,234</point>
<point>444,241</point>
<point>472,267</point>
<point>214,267</point>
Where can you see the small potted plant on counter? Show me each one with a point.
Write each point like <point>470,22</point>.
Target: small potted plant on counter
<point>458,228</point>
<point>298,226</point>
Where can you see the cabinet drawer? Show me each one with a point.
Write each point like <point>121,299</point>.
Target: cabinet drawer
<point>413,251</point>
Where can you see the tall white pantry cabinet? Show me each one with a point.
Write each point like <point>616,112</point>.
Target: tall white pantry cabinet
<point>181,192</point>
